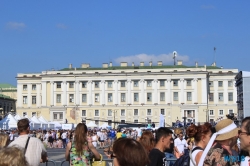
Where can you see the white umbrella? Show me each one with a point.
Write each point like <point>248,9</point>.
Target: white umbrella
<point>91,124</point>
<point>104,125</point>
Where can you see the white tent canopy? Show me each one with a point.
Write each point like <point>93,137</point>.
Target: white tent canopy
<point>17,117</point>
<point>8,122</point>
<point>104,125</point>
<point>35,120</point>
<point>42,119</point>
<point>91,124</point>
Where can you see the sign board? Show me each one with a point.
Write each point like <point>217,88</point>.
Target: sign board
<point>67,126</point>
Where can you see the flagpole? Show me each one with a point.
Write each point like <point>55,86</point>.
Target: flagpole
<point>214,55</point>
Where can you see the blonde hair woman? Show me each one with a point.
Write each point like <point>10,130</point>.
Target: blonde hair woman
<point>4,140</point>
<point>12,156</point>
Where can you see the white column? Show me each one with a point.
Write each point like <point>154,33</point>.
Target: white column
<point>29,95</point>
<point>142,96</point>
<point>44,93</point>
<point>182,95</point>
<point>128,98</point>
<point>204,90</point>
<point>225,91</point>
<point>38,95</point>
<point>116,91</point>
<point>51,93</point>
<point>216,95</point>
<point>77,92</point>
<point>155,95</point>
<point>195,87</point>
<point>19,95</point>
<point>64,95</point>
<point>169,94</point>
<point>103,92</point>
<point>90,92</point>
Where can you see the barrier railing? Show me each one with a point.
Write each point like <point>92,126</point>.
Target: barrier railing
<point>47,163</point>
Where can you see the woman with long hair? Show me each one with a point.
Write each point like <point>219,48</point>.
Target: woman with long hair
<point>80,150</point>
<point>147,140</point>
<point>4,140</point>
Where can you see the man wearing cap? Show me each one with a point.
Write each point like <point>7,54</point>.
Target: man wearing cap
<point>219,149</point>
<point>35,151</point>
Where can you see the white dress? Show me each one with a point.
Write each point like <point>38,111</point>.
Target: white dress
<point>94,140</point>
<point>194,155</point>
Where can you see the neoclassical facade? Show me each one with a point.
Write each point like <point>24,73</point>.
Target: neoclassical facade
<point>137,94</point>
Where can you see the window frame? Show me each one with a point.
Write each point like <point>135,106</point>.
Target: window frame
<point>162,96</point>
<point>136,95</point>
<point>149,96</point>
<point>136,110</point>
<point>176,98</point>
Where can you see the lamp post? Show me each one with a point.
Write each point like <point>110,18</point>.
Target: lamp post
<point>114,111</point>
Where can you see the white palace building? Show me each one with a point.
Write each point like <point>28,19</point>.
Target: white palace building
<point>136,94</point>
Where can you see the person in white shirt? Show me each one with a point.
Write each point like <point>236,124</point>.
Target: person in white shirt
<point>64,137</point>
<point>180,143</point>
<point>35,152</point>
<point>244,135</point>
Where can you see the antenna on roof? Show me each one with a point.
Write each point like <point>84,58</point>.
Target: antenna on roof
<point>214,64</point>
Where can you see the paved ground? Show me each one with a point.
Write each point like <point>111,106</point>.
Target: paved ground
<point>58,156</point>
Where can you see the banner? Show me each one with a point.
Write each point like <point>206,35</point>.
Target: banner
<point>162,121</point>
<point>67,126</point>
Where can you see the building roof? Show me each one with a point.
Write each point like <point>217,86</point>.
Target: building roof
<point>5,85</point>
<point>5,97</point>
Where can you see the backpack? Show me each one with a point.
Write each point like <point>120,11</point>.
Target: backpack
<point>184,160</point>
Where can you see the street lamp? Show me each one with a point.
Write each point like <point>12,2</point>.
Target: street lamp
<point>114,111</point>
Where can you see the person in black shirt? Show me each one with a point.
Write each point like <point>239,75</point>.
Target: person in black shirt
<point>163,139</point>
<point>169,152</point>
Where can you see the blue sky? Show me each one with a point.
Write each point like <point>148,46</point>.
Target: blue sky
<point>40,35</point>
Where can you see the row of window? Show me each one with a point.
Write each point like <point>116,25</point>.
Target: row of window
<point>220,83</point>
<point>122,112</point>
<point>221,96</point>
<point>136,97</point>
<point>220,112</point>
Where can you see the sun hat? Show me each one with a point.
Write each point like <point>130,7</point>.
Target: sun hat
<point>222,124</point>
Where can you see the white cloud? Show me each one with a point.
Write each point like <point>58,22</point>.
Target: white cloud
<point>15,25</point>
<point>61,26</point>
<point>167,59</point>
<point>207,7</point>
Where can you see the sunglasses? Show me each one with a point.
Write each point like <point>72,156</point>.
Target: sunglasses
<point>241,132</point>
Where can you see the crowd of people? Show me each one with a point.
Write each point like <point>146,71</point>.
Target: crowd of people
<point>198,145</point>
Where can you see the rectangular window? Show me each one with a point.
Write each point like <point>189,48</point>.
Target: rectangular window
<point>230,96</point>
<point>97,122</point>
<point>61,116</point>
<point>136,97</point>
<point>211,83</point>
<point>162,83</point>
<point>84,98</point>
<point>24,87</point>
<point>110,97</point>
<point>33,87</point>
<point>33,114</point>
<point>33,99</point>
<point>149,112</point>
<point>136,121</point>
<point>83,112</point>
<point>122,112</point>
<point>55,116</point>
<point>58,98</point>
<point>71,84</point>
<point>96,112</point>
<point>163,111</point>
<point>149,97</point>
<point>220,112</point>
<point>221,97</point>
<point>149,83</point>
<point>58,85</point>
<point>230,111</point>
<point>162,96</point>
<point>123,83</point>
<point>122,121</point>
<point>96,97</point>
<point>84,84</point>
<point>96,84</point>
<point>176,96</point>
<point>211,96</point>
<point>135,112</point>
<point>110,84</point>
<point>230,83</point>
<point>220,83</point>
<point>71,98</point>
<point>24,114</point>
<point>175,82</point>
<point>109,112</point>
<point>211,112</point>
<point>123,97</point>
<point>25,99</point>
<point>189,83</point>
<point>136,83</point>
<point>189,96</point>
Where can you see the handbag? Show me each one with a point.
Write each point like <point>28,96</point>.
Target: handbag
<point>99,163</point>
